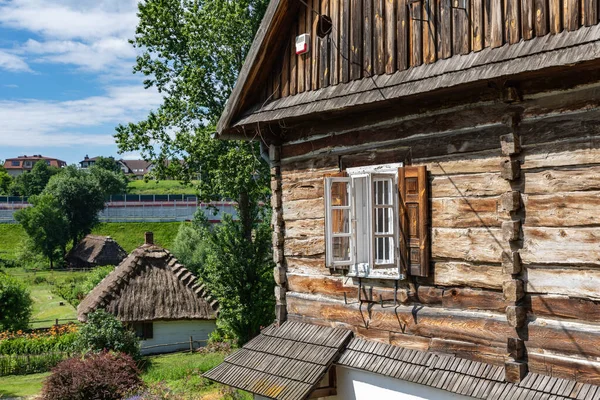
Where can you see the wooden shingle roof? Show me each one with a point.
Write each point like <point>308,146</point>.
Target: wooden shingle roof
<point>285,362</point>
<point>457,375</point>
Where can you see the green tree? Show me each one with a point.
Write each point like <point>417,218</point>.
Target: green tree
<point>191,52</point>
<point>33,183</point>
<point>109,181</point>
<point>15,304</point>
<point>46,225</point>
<point>108,163</point>
<point>80,198</point>
<point>5,182</point>
<point>104,332</point>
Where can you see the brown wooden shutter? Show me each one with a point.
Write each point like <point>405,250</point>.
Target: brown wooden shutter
<point>414,217</point>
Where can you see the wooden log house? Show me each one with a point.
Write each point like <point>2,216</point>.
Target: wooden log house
<point>436,188</point>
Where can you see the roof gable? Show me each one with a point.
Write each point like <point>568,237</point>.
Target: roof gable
<point>375,46</point>
<point>150,284</point>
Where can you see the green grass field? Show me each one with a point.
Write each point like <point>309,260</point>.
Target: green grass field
<point>10,238</point>
<point>180,373</point>
<point>131,234</point>
<point>160,187</point>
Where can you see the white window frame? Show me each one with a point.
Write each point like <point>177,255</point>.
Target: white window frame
<point>368,268</point>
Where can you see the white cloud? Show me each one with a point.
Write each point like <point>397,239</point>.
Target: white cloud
<point>88,35</point>
<point>13,63</point>
<point>28,123</point>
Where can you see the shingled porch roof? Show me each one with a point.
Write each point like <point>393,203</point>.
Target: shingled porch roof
<point>289,361</point>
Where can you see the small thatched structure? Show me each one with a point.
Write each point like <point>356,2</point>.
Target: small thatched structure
<point>95,250</point>
<point>151,291</point>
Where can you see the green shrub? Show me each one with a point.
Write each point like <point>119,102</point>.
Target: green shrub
<point>76,288</point>
<point>15,304</point>
<point>104,376</point>
<point>24,364</point>
<point>38,344</point>
<point>104,332</point>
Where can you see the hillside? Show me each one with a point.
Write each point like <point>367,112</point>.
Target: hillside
<point>160,187</point>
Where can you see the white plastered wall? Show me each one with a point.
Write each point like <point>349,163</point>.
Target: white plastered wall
<point>167,332</point>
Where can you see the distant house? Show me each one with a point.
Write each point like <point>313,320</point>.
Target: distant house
<point>87,162</point>
<point>137,168</point>
<point>21,164</point>
<point>95,251</point>
<point>158,297</point>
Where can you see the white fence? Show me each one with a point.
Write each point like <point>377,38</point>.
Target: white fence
<point>139,209</point>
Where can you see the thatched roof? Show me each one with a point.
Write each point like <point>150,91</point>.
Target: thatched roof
<point>95,250</point>
<point>150,285</point>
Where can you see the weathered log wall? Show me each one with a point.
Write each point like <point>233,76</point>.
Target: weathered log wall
<point>462,307</point>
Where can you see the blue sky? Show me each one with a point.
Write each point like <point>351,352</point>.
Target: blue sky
<point>65,77</point>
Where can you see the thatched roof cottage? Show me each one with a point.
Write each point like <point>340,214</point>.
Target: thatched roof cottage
<point>152,292</point>
<point>95,251</point>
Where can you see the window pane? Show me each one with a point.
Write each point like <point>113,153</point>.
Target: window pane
<point>341,249</point>
<point>339,194</point>
<point>382,189</point>
<point>340,221</point>
<point>384,252</point>
<point>383,220</point>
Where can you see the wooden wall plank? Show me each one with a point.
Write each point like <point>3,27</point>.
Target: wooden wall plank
<point>390,36</point>
<point>356,41</point>
<point>345,41</point>
<point>316,46</point>
<point>469,299</point>
<point>301,58</point>
<point>466,213</point>
<point>564,281</point>
<point>402,34</point>
<point>285,73</point>
<point>293,63</point>
<point>416,33</point>
<point>477,27</point>
<point>527,10</point>
<point>308,57</point>
<point>368,32</point>
<point>467,274</point>
<point>555,16</point>
<point>511,22</point>
<point>541,17</point>
<point>497,24</point>
<point>472,244</point>
<point>563,209</point>
<point>562,180</point>
<point>486,184</point>
<point>461,30</point>
<point>444,30</point>
<point>324,56</point>
<point>379,38</point>
<point>429,31</point>
<point>334,45</point>
<point>560,246</point>
<point>590,12</point>
<point>557,306</point>
<point>571,14</point>
<point>563,337</point>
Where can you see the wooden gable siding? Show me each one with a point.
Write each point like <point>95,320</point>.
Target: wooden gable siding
<point>462,308</point>
<point>375,37</point>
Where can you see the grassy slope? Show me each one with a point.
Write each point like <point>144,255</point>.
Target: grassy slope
<point>131,234</point>
<point>10,238</point>
<point>160,187</point>
<point>181,373</point>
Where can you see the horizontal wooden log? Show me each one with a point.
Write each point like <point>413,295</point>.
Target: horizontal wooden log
<point>290,167</point>
<point>556,306</point>
<point>332,286</point>
<point>429,295</point>
<point>304,228</point>
<point>466,213</point>
<point>473,299</point>
<point>553,181</point>
<point>383,155</point>
<point>487,329</point>
<point>563,209</point>
<point>304,189</point>
<point>471,163</point>
<point>314,265</point>
<point>473,244</point>
<point>575,152</point>
<point>585,371</point>
<point>304,247</point>
<point>557,127</point>
<point>582,283</point>
<point>561,246</point>
<point>303,209</point>
<point>564,338</point>
<point>410,341</point>
<point>472,275</point>
<point>471,185</point>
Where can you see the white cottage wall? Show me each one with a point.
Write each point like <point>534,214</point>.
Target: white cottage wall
<point>167,332</point>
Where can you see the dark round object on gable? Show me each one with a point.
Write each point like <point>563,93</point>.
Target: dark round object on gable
<point>324,27</point>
